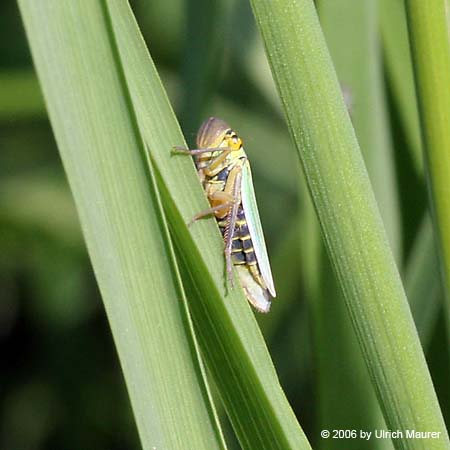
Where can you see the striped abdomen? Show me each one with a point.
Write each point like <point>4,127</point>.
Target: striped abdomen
<point>242,245</point>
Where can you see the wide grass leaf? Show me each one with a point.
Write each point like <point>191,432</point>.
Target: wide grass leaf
<point>121,218</point>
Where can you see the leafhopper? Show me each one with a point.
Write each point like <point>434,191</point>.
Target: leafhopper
<point>225,174</point>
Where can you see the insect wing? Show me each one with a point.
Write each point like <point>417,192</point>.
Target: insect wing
<point>255,228</point>
<point>258,296</point>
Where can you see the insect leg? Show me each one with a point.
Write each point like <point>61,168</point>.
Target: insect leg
<point>220,201</point>
<point>198,151</point>
<point>232,187</point>
<point>215,165</point>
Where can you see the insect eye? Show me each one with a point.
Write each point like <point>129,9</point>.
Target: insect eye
<point>236,142</point>
<point>233,140</point>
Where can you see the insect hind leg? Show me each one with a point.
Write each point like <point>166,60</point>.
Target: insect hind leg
<point>233,189</point>
<point>210,211</point>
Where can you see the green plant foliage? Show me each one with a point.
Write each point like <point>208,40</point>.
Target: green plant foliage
<point>351,225</point>
<point>429,32</point>
<point>227,332</point>
<point>94,207</point>
<point>122,222</point>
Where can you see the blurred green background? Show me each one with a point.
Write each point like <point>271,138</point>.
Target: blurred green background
<point>61,384</point>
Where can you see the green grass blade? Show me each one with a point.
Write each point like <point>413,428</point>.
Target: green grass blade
<point>121,219</point>
<point>429,31</point>
<point>227,331</point>
<point>349,218</point>
<point>351,31</point>
<point>346,395</point>
<point>397,55</point>
<point>422,282</point>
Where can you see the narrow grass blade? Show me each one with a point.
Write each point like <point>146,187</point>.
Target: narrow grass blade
<point>346,396</point>
<point>351,224</point>
<point>399,70</point>
<point>73,50</point>
<point>429,31</point>
<point>351,31</point>
<point>422,282</point>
